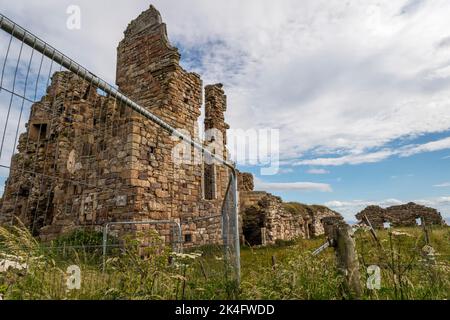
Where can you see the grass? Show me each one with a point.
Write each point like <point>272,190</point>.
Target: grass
<point>284,271</point>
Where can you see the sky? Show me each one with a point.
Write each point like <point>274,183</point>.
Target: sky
<point>359,90</point>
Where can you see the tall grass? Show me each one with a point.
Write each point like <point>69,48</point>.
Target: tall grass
<point>408,271</point>
<point>285,271</point>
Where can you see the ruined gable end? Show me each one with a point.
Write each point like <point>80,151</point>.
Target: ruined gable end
<point>149,73</point>
<point>150,18</point>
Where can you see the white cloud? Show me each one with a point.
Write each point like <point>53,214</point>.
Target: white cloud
<point>426,147</point>
<point>318,171</point>
<point>362,203</point>
<point>292,186</point>
<point>350,208</point>
<point>442,185</point>
<point>377,156</point>
<point>348,159</point>
<point>411,6</point>
<point>285,170</point>
<point>295,65</point>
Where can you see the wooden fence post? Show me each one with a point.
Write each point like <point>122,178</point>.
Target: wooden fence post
<point>425,230</point>
<point>341,235</point>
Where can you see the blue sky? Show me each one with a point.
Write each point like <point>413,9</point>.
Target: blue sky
<point>421,178</point>
<point>360,91</point>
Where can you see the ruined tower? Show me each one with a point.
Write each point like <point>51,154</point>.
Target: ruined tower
<point>86,159</point>
<point>216,137</point>
<point>149,72</point>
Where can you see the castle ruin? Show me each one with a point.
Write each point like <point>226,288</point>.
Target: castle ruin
<point>86,159</point>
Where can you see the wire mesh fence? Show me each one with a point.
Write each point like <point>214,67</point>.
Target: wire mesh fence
<point>77,156</point>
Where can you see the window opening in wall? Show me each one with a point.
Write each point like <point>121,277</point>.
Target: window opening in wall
<point>38,131</point>
<point>209,178</point>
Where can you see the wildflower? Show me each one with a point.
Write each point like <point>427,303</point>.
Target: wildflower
<point>6,264</point>
<point>192,256</point>
<point>428,251</point>
<point>399,233</point>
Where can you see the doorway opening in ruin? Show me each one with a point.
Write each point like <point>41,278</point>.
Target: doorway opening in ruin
<point>253,224</point>
<point>41,214</point>
<point>310,230</point>
<point>386,225</point>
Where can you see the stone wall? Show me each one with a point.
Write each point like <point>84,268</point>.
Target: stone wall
<point>318,214</point>
<point>245,181</point>
<point>400,216</point>
<point>86,159</point>
<point>69,165</point>
<point>265,220</point>
<point>99,161</point>
<point>313,215</point>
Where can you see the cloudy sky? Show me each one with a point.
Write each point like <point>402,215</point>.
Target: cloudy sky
<point>359,90</point>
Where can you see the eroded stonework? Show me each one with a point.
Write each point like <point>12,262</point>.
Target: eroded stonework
<point>407,215</point>
<point>86,159</point>
<point>266,218</point>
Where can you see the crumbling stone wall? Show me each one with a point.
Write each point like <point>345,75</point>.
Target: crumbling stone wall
<point>99,161</point>
<point>86,159</point>
<point>149,72</point>
<point>245,181</point>
<point>318,215</point>
<point>216,139</point>
<point>63,174</point>
<point>400,216</point>
<point>265,220</point>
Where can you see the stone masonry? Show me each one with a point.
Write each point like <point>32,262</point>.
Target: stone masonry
<point>85,159</point>
<point>266,219</point>
<point>406,215</point>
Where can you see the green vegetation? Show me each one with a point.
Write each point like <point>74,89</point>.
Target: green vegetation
<point>296,208</point>
<point>284,271</point>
